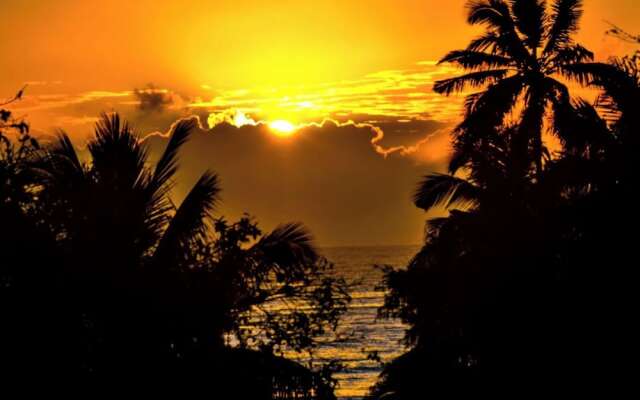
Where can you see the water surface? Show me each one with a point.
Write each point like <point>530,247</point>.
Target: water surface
<point>367,332</point>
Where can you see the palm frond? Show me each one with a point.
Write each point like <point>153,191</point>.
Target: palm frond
<point>167,165</point>
<point>609,108</point>
<point>475,60</point>
<point>591,73</point>
<point>117,155</point>
<point>489,41</point>
<point>620,83</point>
<point>460,157</point>
<point>60,164</point>
<point>287,246</point>
<point>470,101</point>
<point>630,66</point>
<point>488,109</point>
<point>621,87</point>
<point>580,127</point>
<point>496,15</point>
<point>530,19</point>
<point>444,190</point>
<point>189,221</point>
<point>572,54</point>
<point>63,147</point>
<point>159,184</point>
<point>489,12</point>
<point>532,117</point>
<point>473,79</point>
<point>564,22</point>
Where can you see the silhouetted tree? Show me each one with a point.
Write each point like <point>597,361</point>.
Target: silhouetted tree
<point>619,81</point>
<point>475,285</point>
<point>28,267</point>
<point>144,289</point>
<point>623,35</point>
<point>14,155</point>
<point>525,286</point>
<point>520,56</point>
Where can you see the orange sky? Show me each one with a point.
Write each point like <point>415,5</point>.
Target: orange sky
<point>241,43</point>
<point>300,61</point>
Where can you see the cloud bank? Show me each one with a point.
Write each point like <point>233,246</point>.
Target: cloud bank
<point>330,176</point>
<point>348,171</point>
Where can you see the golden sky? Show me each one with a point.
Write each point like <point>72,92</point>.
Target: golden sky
<point>286,63</point>
<point>239,43</point>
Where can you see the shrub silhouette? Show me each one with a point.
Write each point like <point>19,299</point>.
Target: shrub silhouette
<point>138,288</point>
<point>525,286</point>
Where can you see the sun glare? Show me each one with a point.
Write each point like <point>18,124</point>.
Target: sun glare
<point>282,127</point>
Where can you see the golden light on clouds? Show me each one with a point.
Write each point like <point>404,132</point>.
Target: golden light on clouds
<point>282,128</point>
<point>233,117</point>
<point>398,93</point>
<point>246,61</point>
<point>348,76</point>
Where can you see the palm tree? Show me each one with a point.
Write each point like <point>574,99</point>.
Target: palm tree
<point>117,203</point>
<point>599,140</point>
<point>162,283</point>
<point>28,264</point>
<point>620,82</point>
<point>495,179</point>
<point>121,240</point>
<point>471,292</point>
<point>523,50</point>
<point>522,247</point>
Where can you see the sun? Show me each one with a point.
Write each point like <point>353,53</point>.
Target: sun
<point>282,128</point>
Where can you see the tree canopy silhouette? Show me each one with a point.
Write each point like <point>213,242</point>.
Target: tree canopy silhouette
<point>525,285</point>
<point>140,287</point>
<point>525,48</point>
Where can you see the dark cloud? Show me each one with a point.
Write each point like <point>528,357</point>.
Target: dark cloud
<point>328,176</point>
<point>397,134</point>
<point>152,99</point>
<point>349,178</point>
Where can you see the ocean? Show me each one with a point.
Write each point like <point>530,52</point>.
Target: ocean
<point>367,333</point>
<point>361,332</point>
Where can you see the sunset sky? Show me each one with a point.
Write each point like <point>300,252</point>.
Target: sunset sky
<point>330,117</point>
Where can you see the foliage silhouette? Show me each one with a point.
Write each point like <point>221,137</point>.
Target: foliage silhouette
<point>526,46</point>
<point>525,286</point>
<point>140,288</point>
<point>152,99</point>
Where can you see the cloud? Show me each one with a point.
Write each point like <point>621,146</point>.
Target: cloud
<point>148,109</point>
<point>328,175</point>
<point>348,171</point>
<point>397,93</point>
<point>381,99</point>
<point>232,117</point>
<point>389,135</point>
<point>152,99</point>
